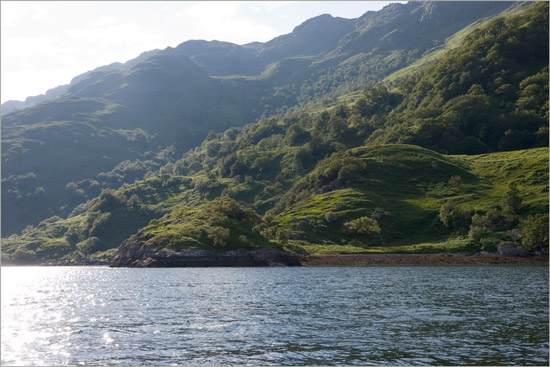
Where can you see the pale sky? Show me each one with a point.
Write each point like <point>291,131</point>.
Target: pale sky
<point>46,43</point>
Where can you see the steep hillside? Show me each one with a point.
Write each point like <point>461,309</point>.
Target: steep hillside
<point>387,198</point>
<point>13,105</point>
<point>318,182</point>
<point>121,123</point>
<point>489,94</point>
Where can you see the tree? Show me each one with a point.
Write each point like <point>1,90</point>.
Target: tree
<point>211,135</point>
<point>453,217</point>
<point>351,168</point>
<point>22,254</point>
<point>283,236</point>
<point>87,246</point>
<point>99,224</point>
<point>377,99</point>
<point>511,203</point>
<point>107,201</point>
<point>212,148</point>
<point>535,232</point>
<point>295,135</point>
<point>74,234</point>
<point>134,201</point>
<point>219,235</point>
<point>480,225</point>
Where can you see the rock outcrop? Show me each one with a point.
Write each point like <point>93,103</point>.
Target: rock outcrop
<point>136,253</point>
<point>166,258</point>
<point>510,249</point>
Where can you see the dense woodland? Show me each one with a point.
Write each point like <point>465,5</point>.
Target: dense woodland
<point>454,158</point>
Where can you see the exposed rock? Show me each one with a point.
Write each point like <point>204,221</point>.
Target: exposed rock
<point>335,184</point>
<point>78,262</point>
<point>510,249</point>
<point>136,253</point>
<point>202,258</point>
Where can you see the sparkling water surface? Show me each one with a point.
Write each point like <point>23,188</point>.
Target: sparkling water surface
<point>424,315</point>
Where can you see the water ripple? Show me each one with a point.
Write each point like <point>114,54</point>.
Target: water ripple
<point>477,315</point>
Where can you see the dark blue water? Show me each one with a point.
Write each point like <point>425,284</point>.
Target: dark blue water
<point>474,315</point>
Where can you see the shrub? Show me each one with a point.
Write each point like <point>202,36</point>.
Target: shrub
<point>455,181</point>
<point>23,254</point>
<point>87,246</point>
<point>453,217</point>
<point>219,235</point>
<point>283,236</point>
<point>488,245</point>
<point>74,234</point>
<point>99,224</point>
<point>330,216</point>
<point>479,226</point>
<point>362,226</point>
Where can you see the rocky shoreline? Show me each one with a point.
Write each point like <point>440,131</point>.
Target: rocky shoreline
<point>269,257</point>
<point>201,258</point>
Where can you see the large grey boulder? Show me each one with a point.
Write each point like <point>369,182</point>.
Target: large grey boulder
<point>510,249</point>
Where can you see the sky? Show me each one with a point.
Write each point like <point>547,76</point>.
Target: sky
<point>46,43</point>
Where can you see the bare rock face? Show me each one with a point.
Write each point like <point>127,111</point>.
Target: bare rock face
<point>136,253</point>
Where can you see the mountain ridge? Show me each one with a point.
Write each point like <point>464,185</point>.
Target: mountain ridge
<point>9,106</point>
<point>236,172</point>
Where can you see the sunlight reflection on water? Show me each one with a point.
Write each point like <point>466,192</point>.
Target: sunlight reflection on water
<point>282,316</point>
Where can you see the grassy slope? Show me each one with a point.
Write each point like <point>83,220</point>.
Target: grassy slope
<point>428,58</point>
<point>95,125</point>
<point>401,187</point>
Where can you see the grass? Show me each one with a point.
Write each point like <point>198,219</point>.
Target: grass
<point>526,168</point>
<point>453,245</point>
<point>402,186</point>
<point>403,189</point>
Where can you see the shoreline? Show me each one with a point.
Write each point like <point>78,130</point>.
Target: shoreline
<point>418,259</point>
<point>367,260</point>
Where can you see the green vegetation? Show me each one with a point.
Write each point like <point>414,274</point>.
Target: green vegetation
<point>535,232</point>
<point>123,122</point>
<point>489,94</point>
<point>218,225</point>
<point>393,205</point>
<point>452,160</point>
